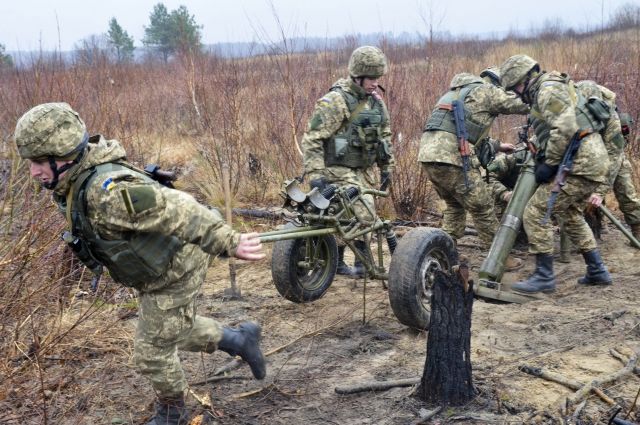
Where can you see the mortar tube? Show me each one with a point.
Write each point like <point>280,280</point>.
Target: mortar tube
<point>492,267</point>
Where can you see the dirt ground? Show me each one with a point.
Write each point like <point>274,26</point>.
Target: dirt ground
<point>341,340</point>
<point>351,336</point>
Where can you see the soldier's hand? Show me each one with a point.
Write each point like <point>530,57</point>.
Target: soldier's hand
<point>249,247</point>
<point>545,172</point>
<point>507,196</point>
<point>507,147</point>
<point>595,200</point>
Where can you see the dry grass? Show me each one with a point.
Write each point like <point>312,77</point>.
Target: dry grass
<point>194,115</point>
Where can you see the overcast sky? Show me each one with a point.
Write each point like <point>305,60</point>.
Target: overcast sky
<point>60,24</point>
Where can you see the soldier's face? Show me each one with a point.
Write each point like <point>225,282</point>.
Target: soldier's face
<point>370,84</point>
<point>41,170</point>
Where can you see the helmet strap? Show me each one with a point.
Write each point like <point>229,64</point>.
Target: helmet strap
<point>58,171</point>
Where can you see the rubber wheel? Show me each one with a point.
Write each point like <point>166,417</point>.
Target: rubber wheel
<point>298,283</point>
<point>419,253</point>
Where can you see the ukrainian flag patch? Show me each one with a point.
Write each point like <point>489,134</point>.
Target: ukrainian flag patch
<point>108,184</point>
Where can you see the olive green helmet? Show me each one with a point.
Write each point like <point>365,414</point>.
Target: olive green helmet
<point>515,69</point>
<point>50,130</point>
<point>367,61</point>
<point>492,74</point>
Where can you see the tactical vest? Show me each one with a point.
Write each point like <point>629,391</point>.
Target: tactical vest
<point>137,259</point>
<point>358,144</point>
<point>591,114</point>
<point>441,118</point>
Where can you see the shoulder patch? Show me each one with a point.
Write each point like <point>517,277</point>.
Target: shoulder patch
<point>108,184</point>
<point>138,199</point>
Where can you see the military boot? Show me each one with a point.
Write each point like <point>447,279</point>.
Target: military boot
<point>358,268</point>
<point>343,268</point>
<point>245,342</point>
<point>597,273</point>
<point>170,411</point>
<point>542,279</point>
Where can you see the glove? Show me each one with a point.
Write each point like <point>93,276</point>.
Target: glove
<point>319,182</point>
<point>385,179</point>
<point>545,172</point>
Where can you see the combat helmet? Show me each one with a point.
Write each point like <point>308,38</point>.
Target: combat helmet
<point>367,61</point>
<point>492,74</point>
<point>52,132</point>
<point>516,69</point>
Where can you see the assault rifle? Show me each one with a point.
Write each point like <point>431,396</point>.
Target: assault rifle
<point>461,133</point>
<point>563,171</point>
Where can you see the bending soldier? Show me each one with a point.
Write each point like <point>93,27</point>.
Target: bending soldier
<point>560,117</point>
<point>150,237</point>
<point>441,159</point>
<point>349,133</point>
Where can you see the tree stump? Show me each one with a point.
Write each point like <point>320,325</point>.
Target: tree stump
<point>447,376</point>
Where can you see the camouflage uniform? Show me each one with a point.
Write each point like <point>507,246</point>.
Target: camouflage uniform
<point>442,162</point>
<point>559,115</point>
<point>502,174</point>
<point>329,117</point>
<point>167,316</point>
<point>554,102</point>
<point>347,135</point>
<point>122,206</point>
<point>625,193</point>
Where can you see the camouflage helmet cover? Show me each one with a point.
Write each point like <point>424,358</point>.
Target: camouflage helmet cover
<point>367,61</point>
<point>50,130</point>
<point>463,79</point>
<point>492,73</point>
<point>514,70</point>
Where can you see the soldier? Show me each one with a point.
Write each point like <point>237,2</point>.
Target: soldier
<point>441,158</point>
<point>623,187</point>
<point>150,237</point>
<point>558,115</point>
<point>349,133</point>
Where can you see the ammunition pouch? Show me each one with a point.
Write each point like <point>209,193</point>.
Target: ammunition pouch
<point>82,252</point>
<point>358,144</point>
<point>485,152</point>
<point>142,259</point>
<point>592,114</point>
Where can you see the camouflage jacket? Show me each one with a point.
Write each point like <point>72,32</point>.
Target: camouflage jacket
<point>330,115</point>
<point>484,103</point>
<point>554,101</point>
<point>156,209</point>
<point>612,133</point>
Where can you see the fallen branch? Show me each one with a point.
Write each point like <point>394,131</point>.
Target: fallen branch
<point>607,379</point>
<point>377,385</point>
<point>212,379</point>
<point>570,383</point>
<point>623,359</point>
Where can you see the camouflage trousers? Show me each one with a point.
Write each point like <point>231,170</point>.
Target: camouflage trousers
<point>568,209</point>
<point>448,180</point>
<point>364,209</point>
<point>625,193</point>
<point>164,328</point>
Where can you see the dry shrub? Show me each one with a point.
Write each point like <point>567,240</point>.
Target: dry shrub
<point>194,115</point>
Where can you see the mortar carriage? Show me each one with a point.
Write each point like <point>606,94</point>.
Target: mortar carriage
<point>305,252</point>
